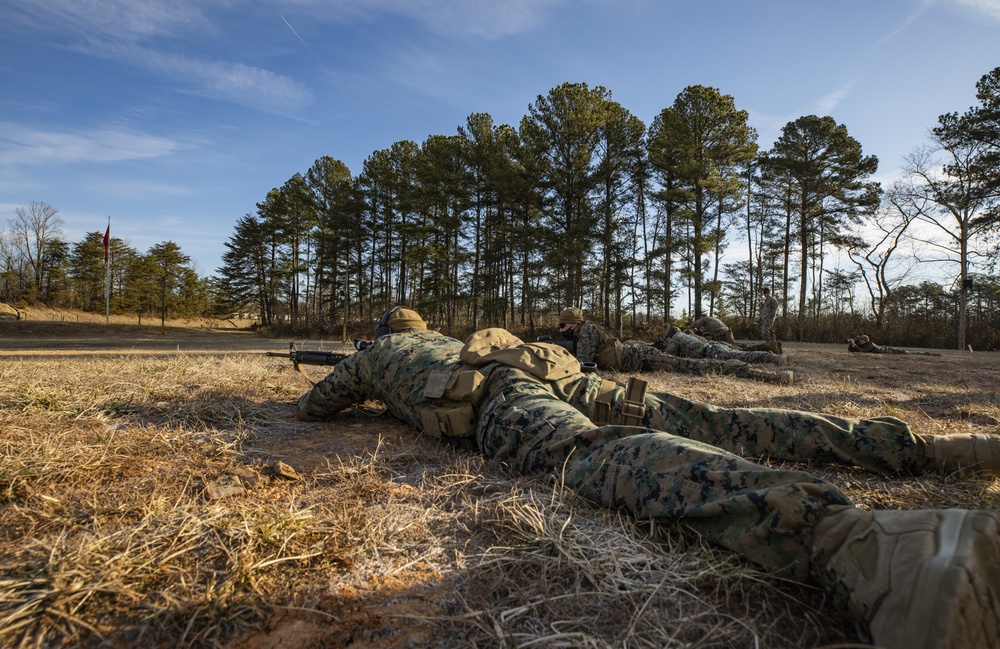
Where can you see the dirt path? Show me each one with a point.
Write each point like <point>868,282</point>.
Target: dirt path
<point>42,338</point>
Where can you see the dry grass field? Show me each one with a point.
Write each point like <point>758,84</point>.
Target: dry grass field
<point>113,440</point>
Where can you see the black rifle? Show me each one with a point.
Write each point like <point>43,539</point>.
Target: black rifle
<point>568,344</point>
<point>309,357</point>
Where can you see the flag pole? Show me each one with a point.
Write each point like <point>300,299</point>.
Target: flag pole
<point>107,274</point>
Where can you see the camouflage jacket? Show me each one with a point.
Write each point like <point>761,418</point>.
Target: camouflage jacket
<point>712,328</point>
<point>396,368</point>
<point>857,346</point>
<point>769,309</point>
<point>709,324</point>
<point>872,348</point>
<point>595,345</point>
<point>689,345</point>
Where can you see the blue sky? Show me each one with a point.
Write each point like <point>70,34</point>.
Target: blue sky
<point>175,117</point>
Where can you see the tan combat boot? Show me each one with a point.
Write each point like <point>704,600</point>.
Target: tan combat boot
<point>781,378</point>
<point>772,346</point>
<point>948,454</point>
<point>917,579</point>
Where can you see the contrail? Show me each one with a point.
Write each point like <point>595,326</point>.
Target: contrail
<point>306,46</point>
<point>329,74</point>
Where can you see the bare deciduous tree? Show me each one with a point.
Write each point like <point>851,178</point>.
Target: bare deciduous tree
<point>32,230</point>
<point>872,253</point>
<point>953,205</point>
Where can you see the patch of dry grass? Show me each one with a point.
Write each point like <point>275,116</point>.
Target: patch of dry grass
<point>107,534</point>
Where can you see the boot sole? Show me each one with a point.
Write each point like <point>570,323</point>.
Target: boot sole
<point>956,602</point>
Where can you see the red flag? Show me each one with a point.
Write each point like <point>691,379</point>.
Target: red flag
<point>107,234</point>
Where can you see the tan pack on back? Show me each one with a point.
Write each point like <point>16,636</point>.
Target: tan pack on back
<point>543,360</point>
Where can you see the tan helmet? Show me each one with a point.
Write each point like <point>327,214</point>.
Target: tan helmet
<point>571,315</point>
<point>398,318</point>
<point>863,338</point>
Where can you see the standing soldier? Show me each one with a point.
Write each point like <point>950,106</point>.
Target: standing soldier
<point>927,578</point>
<point>768,311</point>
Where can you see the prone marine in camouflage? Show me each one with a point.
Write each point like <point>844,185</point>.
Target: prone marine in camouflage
<point>530,408</point>
<point>690,346</point>
<point>864,344</point>
<point>772,346</point>
<point>595,345</point>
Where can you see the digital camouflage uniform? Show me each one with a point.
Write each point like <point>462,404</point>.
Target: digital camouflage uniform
<point>690,346</point>
<point>768,312</point>
<point>713,329</point>
<point>681,463</point>
<point>595,345</point>
<point>871,348</point>
<point>863,344</point>
<point>737,345</point>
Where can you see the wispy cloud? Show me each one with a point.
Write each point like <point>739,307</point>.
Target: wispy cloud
<point>769,125</point>
<point>235,82</point>
<point>489,19</point>
<point>481,18</point>
<point>135,19</point>
<point>120,19</point>
<point>919,10</point>
<point>989,8</point>
<point>827,104</point>
<point>422,70</point>
<point>24,146</point>
<point>130,31</point>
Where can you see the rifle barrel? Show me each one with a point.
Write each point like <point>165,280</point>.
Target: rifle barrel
<point>310,356</point>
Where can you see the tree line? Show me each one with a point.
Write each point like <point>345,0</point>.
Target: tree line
<point>40,267</point>
<point>583,204</point>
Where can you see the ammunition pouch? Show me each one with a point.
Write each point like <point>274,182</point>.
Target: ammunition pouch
<point>633,405</point>
<point>452,396</point>
<point>449,419</point>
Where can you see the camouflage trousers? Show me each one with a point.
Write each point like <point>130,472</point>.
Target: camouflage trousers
<point>753,347</point>
<point>767,328</point>
<point>640,357</point>
<point>725,352</point>
<point>698,366</point>
<point>882,445</point>
<point>688,346</point>
<point>766,515</point>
